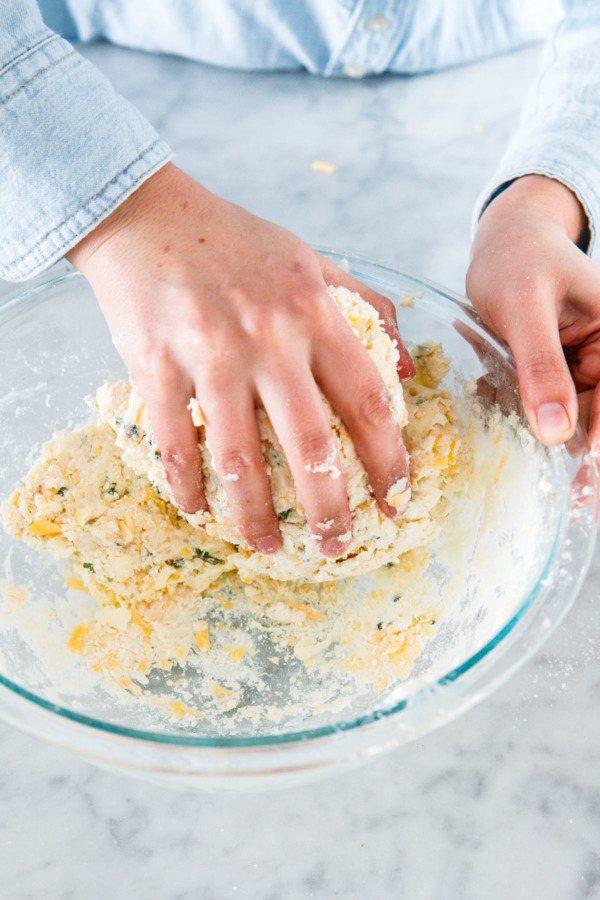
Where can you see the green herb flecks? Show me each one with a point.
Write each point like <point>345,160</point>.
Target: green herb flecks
<point>205,556</point>
<point>62,490</point>
<point>89,566</point>
<point>285,514</point>
<point>178,563</point>
<point>131,431</point>
<point>421,350</point>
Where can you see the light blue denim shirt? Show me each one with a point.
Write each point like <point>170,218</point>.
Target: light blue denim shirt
<point>72,149</point>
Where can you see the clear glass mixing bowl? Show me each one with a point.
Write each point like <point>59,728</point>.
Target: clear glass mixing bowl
<point>514,581</point>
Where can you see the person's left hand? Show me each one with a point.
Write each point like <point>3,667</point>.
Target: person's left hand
<point>532,285</point>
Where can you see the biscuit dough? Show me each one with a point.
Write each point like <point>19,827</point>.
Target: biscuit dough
<point>97,498</point>
<point>432,442</point>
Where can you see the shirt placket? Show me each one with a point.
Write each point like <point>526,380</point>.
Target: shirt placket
<point>375,32</point>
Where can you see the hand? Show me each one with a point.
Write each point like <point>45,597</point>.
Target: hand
<point>531,284</point>
<point>204,299</point>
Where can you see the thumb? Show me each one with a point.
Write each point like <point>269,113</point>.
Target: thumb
<point>333,275</point>
<point>547,389</point>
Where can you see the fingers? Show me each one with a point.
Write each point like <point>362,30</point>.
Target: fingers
<point>177,440</point>
<point>332,274</point>
<point>351,382</point>
<point>545,383</point>
<point>233,438</point>
<point>299,418</point>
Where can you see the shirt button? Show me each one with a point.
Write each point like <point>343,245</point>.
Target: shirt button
<point>377,23</point>
<point>353,71</point>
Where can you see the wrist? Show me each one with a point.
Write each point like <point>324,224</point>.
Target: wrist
<point>540,195</point>
<point>150,194</point>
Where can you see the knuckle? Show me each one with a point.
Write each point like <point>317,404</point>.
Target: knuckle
<point>313,308</point>
<point>374,405</point>
<point>320,304</point>
<point>214,378</point>
<point>167,380</point>
<point>237,462</point>
<point>156,369</point>
<point>315,448</point>
<point>140,365</point>
<point>542,365</point>
<point>255,319</point>
<point>326,319</point>
<point>219,368</point>
<point>196,330</point>
<point>255,528</point>
<point>335,525</point>
<point>177,459</point>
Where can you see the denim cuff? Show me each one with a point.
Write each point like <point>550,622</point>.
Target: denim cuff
<point>567,154</point>
<point>71,150</point>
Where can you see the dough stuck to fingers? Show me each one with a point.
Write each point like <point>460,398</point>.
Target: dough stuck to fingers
<point>376,539</point>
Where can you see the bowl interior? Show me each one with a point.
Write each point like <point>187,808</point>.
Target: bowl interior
<point>494,561</point>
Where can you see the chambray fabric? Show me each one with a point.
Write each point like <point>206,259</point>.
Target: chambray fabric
<point>71,149</point>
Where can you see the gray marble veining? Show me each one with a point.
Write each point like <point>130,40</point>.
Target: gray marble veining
<point>503,804</point>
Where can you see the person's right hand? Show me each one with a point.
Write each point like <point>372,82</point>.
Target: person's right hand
<point>204,299</point>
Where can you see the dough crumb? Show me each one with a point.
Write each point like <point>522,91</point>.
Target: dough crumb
<point>324,168</point>
<point>398,496</point>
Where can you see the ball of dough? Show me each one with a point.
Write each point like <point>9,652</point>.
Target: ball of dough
<point>376,539</point>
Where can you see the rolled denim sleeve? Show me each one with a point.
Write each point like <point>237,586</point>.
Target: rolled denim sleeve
<point>71,149</point>
<point>559,133</point>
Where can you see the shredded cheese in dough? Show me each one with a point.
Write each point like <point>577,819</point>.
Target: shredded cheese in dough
<point>169,593</point>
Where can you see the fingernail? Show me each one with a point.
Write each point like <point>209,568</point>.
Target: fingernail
<point>268,544</point>
<point>553,422</point>
<point>332,547</point>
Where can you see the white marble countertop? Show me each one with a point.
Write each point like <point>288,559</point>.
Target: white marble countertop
<point>504,802</point>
